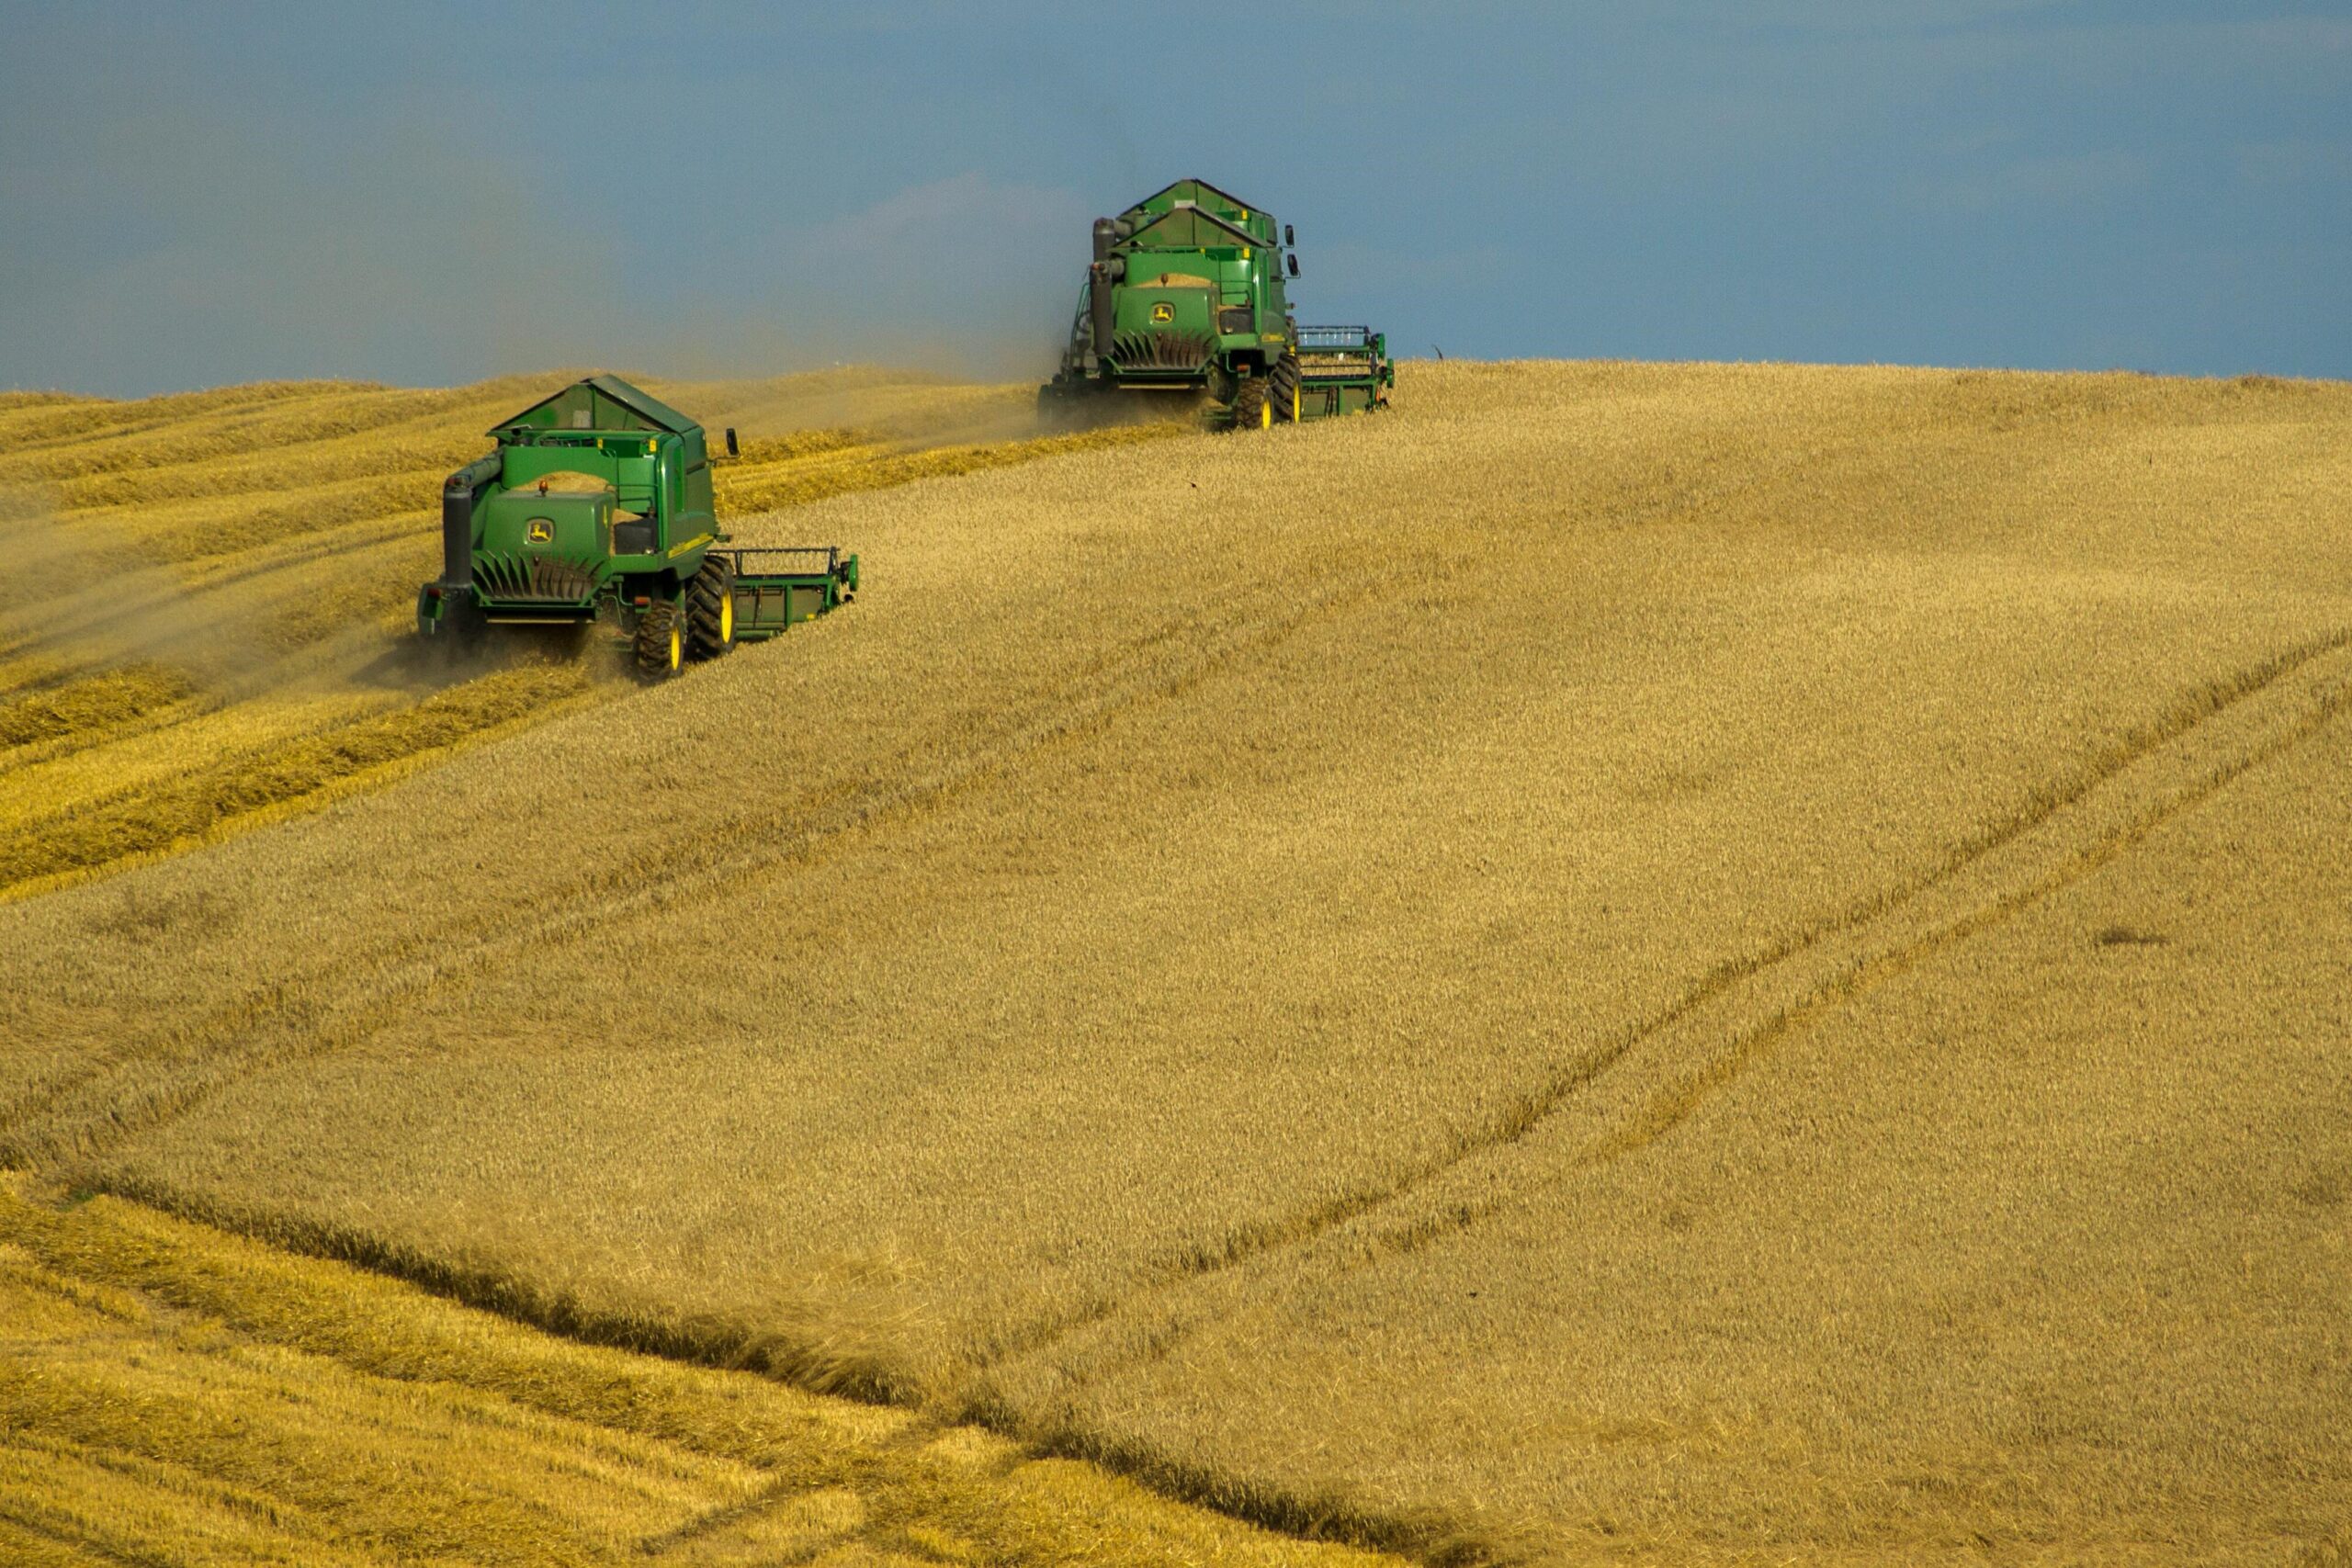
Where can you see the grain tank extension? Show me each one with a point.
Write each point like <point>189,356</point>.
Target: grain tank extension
<point>1186,297</point>
<point>596,507</point>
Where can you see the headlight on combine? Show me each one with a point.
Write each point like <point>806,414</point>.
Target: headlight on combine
<point>1234,319</point>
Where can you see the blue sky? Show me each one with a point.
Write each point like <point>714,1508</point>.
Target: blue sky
<point>427,193</point>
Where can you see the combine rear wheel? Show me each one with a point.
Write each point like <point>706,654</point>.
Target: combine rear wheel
<point>1066,405</point>
<point>710,609</point>
<point>460,633</point>
<point>1251,409</point>
<point>1282,384</point>
<point>660,645</point>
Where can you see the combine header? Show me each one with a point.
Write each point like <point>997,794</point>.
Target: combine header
<point>597,506</point>
<point>1342,370</point>
<point>1186,296</point>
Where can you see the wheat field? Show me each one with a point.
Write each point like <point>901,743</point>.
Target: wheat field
<point>216,635</point>
<point>1626,963</point>
<point>182,1396</point>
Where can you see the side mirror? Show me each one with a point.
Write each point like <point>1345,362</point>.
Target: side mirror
<point>1294,265</point>
<point>731,450</point>
<point>1290,235</point>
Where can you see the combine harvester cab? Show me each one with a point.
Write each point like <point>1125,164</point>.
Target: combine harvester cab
<point>1186,298</point>
<point>596,507</point>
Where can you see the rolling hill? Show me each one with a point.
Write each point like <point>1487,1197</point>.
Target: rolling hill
<point>1627,962</point>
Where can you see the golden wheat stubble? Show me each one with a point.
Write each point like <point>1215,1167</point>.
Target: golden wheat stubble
<point>1210,843</point>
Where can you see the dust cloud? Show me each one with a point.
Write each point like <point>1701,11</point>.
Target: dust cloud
<point>80,606</point>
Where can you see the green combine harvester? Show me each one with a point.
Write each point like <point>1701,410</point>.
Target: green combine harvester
<point>1185,297</point>
<point>596,507</point>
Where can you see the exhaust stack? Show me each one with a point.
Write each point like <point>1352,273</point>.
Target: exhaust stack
<point>458,494</point>
<point>1098,283</point>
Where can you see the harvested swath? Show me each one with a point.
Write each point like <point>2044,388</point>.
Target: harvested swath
<point>92,416</point>
<point>179,1396</point>
<point>58,780</point>
<point>1224,848</point>
<point>845,471</point>
<point>307,769</point>
<point>198,427</point>
<point>267,478</point>
<point>89,705</point>
<point>239,543</point>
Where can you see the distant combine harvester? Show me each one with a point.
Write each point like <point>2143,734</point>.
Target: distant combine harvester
<point>1185,298</point>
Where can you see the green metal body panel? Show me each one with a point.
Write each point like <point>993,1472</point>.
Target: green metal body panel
<point>1188,292</point>
<point>596,503</point>
<point>1343,370</point>
<point>778,587</point>
<point>599,402</point>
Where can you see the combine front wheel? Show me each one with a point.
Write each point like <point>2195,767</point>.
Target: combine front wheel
<point>660,645</point>
<point>710,609</point>
<point>1282,383</point>
<point>1251,409</point>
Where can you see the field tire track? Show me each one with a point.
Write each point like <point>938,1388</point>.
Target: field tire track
<point>1614,1101</point>
<point>41,1125</point>
<point>290,1018</point>
<point>259,1007</point>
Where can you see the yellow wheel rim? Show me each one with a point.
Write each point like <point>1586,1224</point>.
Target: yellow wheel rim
<point>726,618</point>
<point>677,647</point>
<point>1294,405</point>
<point>1266,414</point>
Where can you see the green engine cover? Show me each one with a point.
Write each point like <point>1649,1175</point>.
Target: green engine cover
<point>562,523</point>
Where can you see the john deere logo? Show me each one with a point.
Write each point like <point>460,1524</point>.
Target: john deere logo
<point>540,530</point>
<point>1163,312</point>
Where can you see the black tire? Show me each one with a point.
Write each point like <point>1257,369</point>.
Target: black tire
<point>1282,384</point>
<point>1250,409</point>
<point>660,644</point>
<point>1070,403</point>
<point>710,609</point>
<point>464,633</point>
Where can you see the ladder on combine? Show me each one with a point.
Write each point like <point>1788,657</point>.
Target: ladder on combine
<point>1342,370</point>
